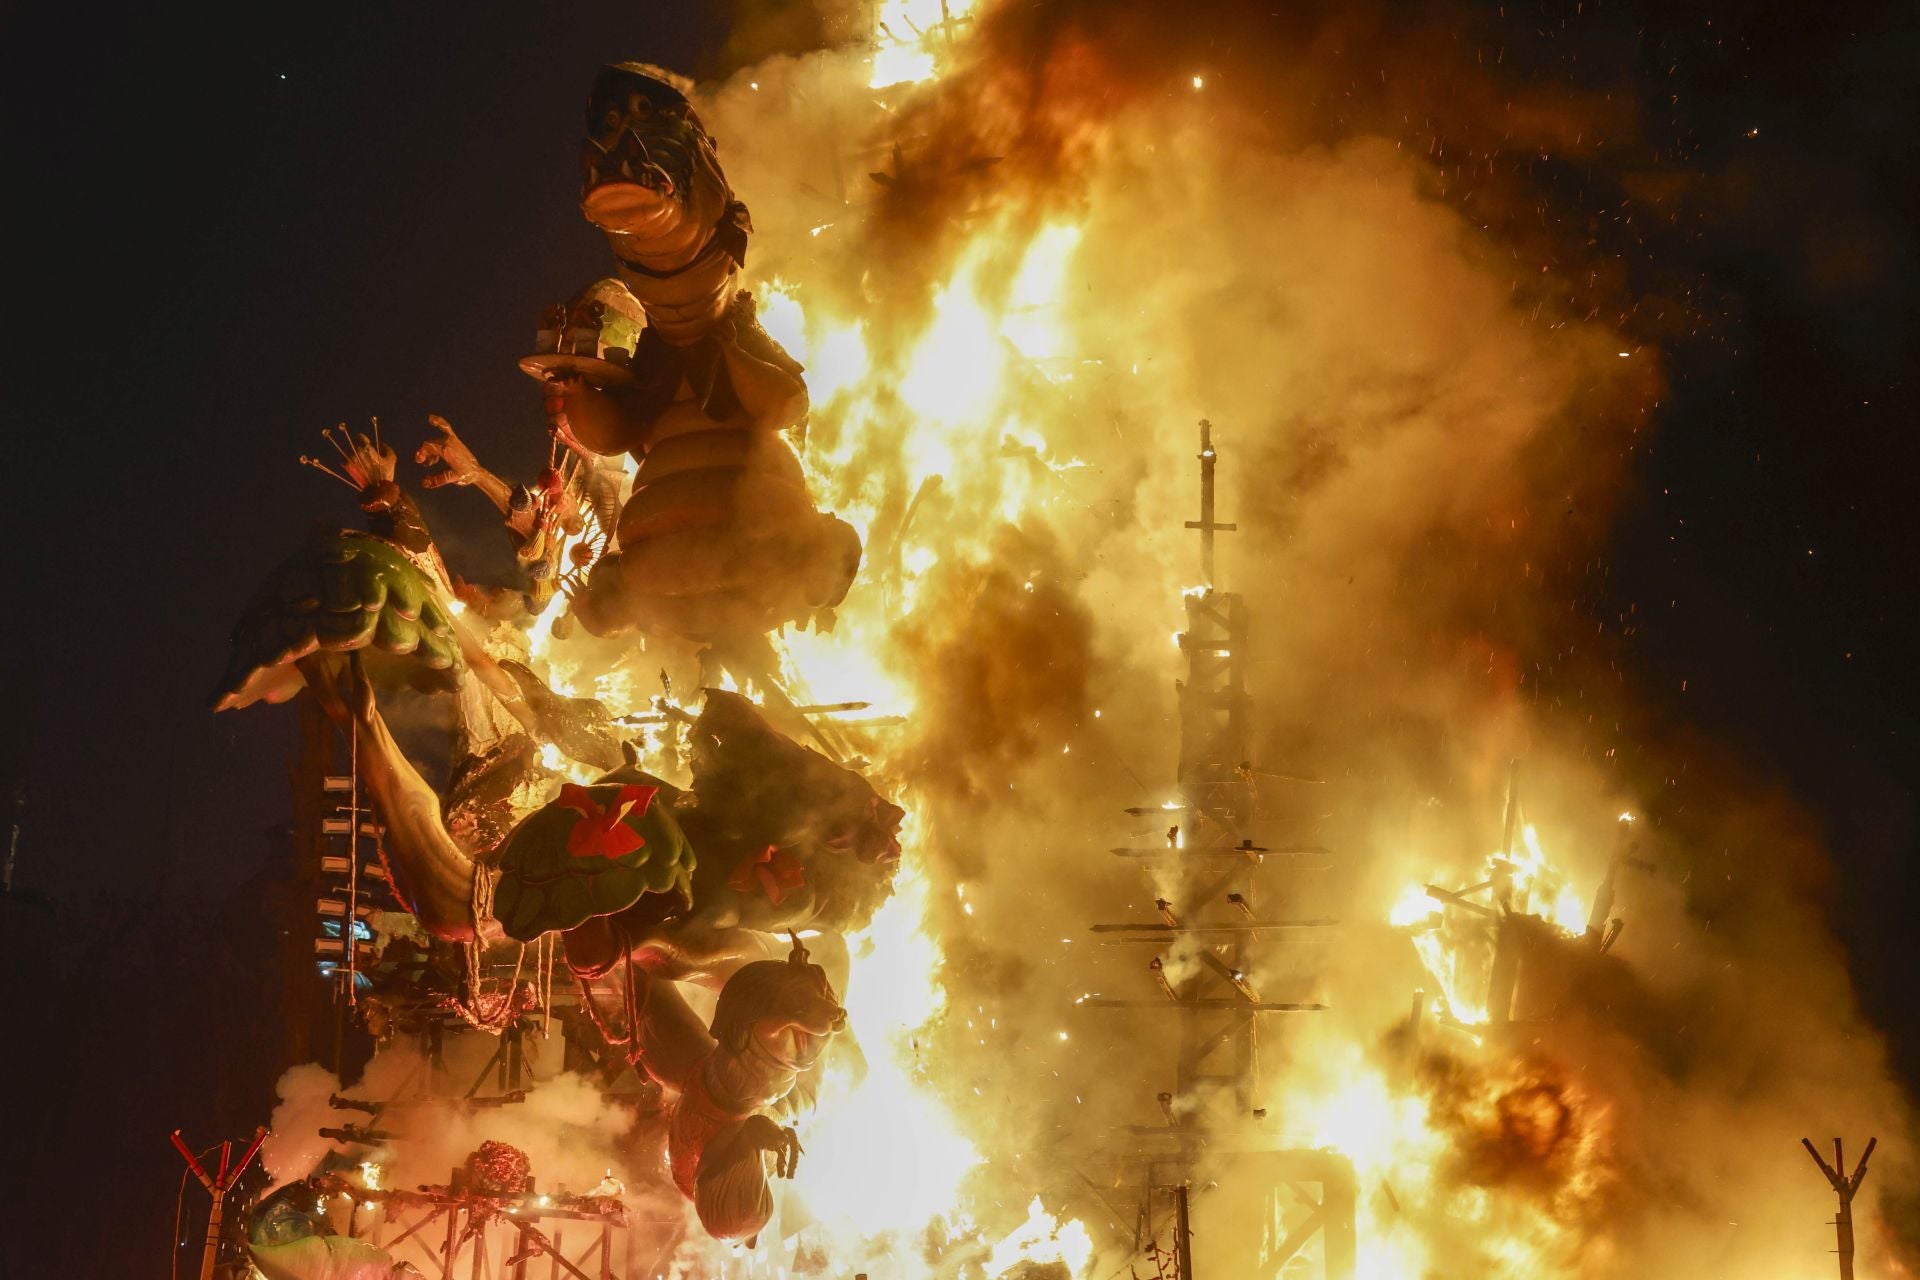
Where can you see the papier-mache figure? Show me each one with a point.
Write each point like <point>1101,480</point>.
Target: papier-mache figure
<point>719,537</point>
<point>648,886</point>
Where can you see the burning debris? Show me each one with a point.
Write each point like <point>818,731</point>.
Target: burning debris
<point>737,922</point>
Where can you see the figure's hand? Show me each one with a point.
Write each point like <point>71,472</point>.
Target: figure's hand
<point>784,1144</point>
<point>450,452</point>
<point>370,465</point>
<point>588,419</point>
<point>557,391</point>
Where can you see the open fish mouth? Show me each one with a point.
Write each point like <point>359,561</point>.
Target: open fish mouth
<point>625,204</point>
<point>638,152</point>
<point>631,162</point>
<point>635,180</point>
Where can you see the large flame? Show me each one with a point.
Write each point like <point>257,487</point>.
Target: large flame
<point>959,406</point>
<point>934,428</point>
<point>912,39</point>
<point>887,1158</point>
<point>1445,938</point>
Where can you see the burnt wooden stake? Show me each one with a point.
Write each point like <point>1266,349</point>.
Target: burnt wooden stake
<point>1182,1234</point>
<point>1844,1186</point>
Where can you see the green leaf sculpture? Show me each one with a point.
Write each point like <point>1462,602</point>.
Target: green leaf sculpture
<point>343,593</point>
<point>592,851</point>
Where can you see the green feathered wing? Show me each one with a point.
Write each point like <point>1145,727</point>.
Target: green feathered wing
<point>345,592</point>
<point>593,851</point>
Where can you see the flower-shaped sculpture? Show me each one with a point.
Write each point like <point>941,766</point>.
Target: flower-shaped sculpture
<point>592,851</point>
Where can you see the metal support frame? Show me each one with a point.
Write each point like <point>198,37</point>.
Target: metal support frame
<point>1214,858</point>
<point>1213,915</point>
<point>1331,1213</point>
<point>337,840</point>
<point>507,1064</point>
<point>1217,1044</point>
<point>1331,1217</point>
<point>464,1244</point>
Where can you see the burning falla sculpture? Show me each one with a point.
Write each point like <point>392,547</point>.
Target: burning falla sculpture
<point>719,538</point>
<point>290,1237</point>
<point>772,1023</point>
<point>385,596</point>
<point>649,885</point>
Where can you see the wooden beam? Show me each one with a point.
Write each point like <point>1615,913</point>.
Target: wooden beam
<point>1161,928</point>
<point>1298,1237</point>
<point>1264,1006</point>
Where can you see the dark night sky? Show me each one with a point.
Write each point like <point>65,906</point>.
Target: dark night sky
<point>224,233</point>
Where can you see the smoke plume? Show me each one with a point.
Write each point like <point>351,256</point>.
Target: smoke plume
<point>1349,239</point>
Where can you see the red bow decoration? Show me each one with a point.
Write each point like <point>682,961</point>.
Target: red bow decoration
<point>601,832</point>
<point>773,871</point>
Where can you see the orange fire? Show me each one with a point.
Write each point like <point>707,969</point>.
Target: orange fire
<point>936,429</point>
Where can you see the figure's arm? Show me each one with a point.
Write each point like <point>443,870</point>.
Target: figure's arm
<point>774,398</point>
<point>459,465</point>
<point>731,1195</point>
<point>436,874</point>
<point>391,511</point>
